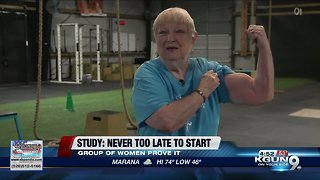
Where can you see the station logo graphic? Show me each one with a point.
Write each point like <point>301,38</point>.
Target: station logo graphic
<point>278,160</point>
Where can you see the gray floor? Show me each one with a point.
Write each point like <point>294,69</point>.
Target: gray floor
<point>268,125</point>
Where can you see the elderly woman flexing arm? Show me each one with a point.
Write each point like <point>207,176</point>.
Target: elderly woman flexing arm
<point>178,95</point>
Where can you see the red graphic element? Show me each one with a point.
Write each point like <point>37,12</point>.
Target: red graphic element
<point>65,146</point>
<point>282,153</point>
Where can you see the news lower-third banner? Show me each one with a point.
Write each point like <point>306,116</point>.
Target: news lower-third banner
<point>152,151</point>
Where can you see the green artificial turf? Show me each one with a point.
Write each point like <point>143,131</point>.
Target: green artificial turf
<point>55,121</point>
<point>285,83</point>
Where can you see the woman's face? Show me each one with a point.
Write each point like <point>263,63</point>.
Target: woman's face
<point>174,41</point>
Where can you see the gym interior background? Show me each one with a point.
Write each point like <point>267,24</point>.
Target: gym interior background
<point>80,69</point>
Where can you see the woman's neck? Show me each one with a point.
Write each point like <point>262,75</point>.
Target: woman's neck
<point>177,68</point>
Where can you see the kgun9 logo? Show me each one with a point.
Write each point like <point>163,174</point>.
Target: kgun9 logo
<point>268,158</point>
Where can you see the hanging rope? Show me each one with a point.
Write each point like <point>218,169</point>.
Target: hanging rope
<point>269,22</point>
<point>52,142</point>
<point>36,115</point>
<point>252,21</point>
<point>244,23</point>
<point>39,76</point>
<point>121,70</point>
